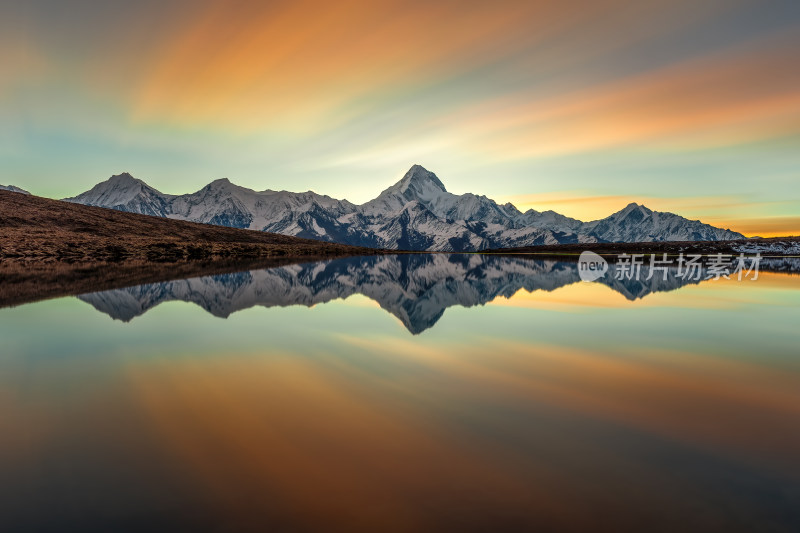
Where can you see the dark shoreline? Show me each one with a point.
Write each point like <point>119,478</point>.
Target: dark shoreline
<point>24,283</point>
<point>671,248</point>
<point>31,281</point>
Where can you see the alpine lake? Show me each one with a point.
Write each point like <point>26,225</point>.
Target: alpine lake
<point>406,393</point>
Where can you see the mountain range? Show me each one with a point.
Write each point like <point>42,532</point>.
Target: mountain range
<point>415,288</point>
<point>416,213</point>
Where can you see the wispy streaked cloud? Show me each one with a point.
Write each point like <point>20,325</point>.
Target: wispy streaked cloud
<point>644,100</point>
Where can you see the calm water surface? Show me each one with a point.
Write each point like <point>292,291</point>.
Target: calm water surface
<point>405,393</point>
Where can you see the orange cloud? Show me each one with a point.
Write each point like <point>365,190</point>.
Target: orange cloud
<point>720,99</point>
<point>310,64</point>
<point>310,59</point>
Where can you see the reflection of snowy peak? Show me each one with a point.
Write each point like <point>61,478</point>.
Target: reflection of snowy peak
<point>416,213</point>
<point>415,288</point>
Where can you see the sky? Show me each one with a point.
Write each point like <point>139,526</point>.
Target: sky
<point>581,107</point>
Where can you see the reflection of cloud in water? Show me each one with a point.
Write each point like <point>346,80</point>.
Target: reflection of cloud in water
<point>479,436</point>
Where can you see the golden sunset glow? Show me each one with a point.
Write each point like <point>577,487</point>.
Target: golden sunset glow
<point>672,104</point>
<point>714,210</point>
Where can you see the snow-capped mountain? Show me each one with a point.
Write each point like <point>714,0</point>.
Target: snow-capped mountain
<point>636,223</point>
<point>123,192</point>
<point>416,213</point>
<point>13,189</point>
<point>415,288</point>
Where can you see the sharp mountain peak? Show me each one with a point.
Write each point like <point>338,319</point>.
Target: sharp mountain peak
<point>418,176</point>
<point>123,177</point>
<point>221,183</point>
<point>631,207</point>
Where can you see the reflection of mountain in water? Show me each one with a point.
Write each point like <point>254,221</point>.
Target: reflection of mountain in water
<point>414,288</point>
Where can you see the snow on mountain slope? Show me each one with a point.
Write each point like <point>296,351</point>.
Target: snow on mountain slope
<point>416,213</point>
<point>550,220</point>
<point>417,185</point>
<point>13,189</point>
<point>123,192</point>
<point>222,202</point>
<point>416,228</point>
<point>636,223</point>
<point>424,187</point>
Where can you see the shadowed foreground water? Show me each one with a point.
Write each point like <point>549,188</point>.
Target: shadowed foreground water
<point>402,394</point>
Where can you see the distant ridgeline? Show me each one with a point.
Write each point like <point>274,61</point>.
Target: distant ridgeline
<point>416,213</point>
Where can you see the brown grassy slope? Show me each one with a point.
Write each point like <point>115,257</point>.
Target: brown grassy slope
<point>33,228</point>
<point>50,248</point>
